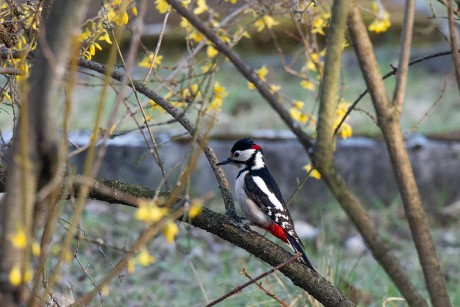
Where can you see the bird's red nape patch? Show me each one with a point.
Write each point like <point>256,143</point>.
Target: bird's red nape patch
<point>277,231</point>
<point>256,147</point>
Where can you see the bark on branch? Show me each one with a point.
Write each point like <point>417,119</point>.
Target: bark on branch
<point>181,119</point>
<point>115,192</point>
<point>35,152</point>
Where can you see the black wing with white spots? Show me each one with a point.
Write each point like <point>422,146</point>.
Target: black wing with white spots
<point>266,194</point>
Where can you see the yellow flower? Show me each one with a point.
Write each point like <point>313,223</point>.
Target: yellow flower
<point>313,61</point>
<point>134,10</point>
<point>186,3</point>
<point>345,131</point>
<point>15,277</point>
<point>216,103</point>
<point>211,51</point>
<point>105,37</point>
<point>318,25</point>
<point>161,6</point>
<point>196,36</point>
<point>220,90</point>
<point>170,231</point>
<point>274,88</point>
<point>84,35</point>
<point>313,172</point>
<point>145,258</point>
<point>131,266</point>
<point>201,7</point>
<point>27,275</point>
<point>191,92</point>
<point>262,73</point>
<point>195,209</point>
<point>208,67</point>
<point>265,21</point>
<point>306,84</point>
<point>19,239</point>
<point>149,212</point>
<point>147,61</point>
<point>219,93</point>
<point>298,115</point>
<point>156,106</point>
<point>380,24</point>
<point>36,249</point>
<point>24,68</point>
<point>121,18</point>
<point>298,104</point>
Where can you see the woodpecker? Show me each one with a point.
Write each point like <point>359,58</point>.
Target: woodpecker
<point>259,196</point>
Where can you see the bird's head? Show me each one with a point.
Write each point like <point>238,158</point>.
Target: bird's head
<point>245,153</point>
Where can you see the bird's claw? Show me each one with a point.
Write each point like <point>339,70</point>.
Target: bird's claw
<point>243,226</point>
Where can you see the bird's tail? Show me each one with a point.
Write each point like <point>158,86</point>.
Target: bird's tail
<point>297,247</point>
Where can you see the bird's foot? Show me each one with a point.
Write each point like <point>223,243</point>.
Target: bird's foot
<point>243,226</point>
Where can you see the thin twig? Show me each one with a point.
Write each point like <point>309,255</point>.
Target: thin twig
<point>453,41</point>
<point>273,296</point>
<point>240,288</point>
<point>441,95</point>
<point>386,76</point>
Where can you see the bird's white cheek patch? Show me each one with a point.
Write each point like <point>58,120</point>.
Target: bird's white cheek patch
<point>263,187</point>
<point>258,161</point>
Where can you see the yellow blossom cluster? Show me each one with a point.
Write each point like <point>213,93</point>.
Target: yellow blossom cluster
<point>313,172</point>
<point>382,21</point>
<point>298,114</point>
<point>262,74</point>
<point>266,21</point>
<point>320,22</point>
<point>150,212</point>
<point>19,240</point>
<point>219,92</point>
<point>345,130</point>
<point>97,29</point>
<point>151,61</point>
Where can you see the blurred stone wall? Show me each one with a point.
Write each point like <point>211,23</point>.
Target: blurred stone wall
<point>363,162</point>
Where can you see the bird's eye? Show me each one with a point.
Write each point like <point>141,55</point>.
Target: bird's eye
<point>236,154</point>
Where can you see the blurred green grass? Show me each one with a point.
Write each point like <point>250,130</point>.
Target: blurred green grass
<point>171,280</point>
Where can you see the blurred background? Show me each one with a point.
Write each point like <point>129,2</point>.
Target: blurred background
<point>200,267</point>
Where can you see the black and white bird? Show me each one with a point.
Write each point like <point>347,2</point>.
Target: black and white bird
<point>259,195</point>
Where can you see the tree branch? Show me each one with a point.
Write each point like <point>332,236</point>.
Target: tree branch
<point>349,202</point>
<point>115,192</point>
<point>453,40</point>
<point>181,119</point>
<point>324,147</point>
<point>247,72</point>
<point>251,241</point>
<point>35,152</point>
<point>389,124</point>
<point>404,55</point>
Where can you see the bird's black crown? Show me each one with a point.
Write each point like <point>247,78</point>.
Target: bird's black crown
<point>245,143</point>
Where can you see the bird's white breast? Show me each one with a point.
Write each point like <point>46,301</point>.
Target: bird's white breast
<point>249,207</point>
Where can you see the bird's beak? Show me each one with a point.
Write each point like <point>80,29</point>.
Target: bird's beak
<point>225,162</point>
